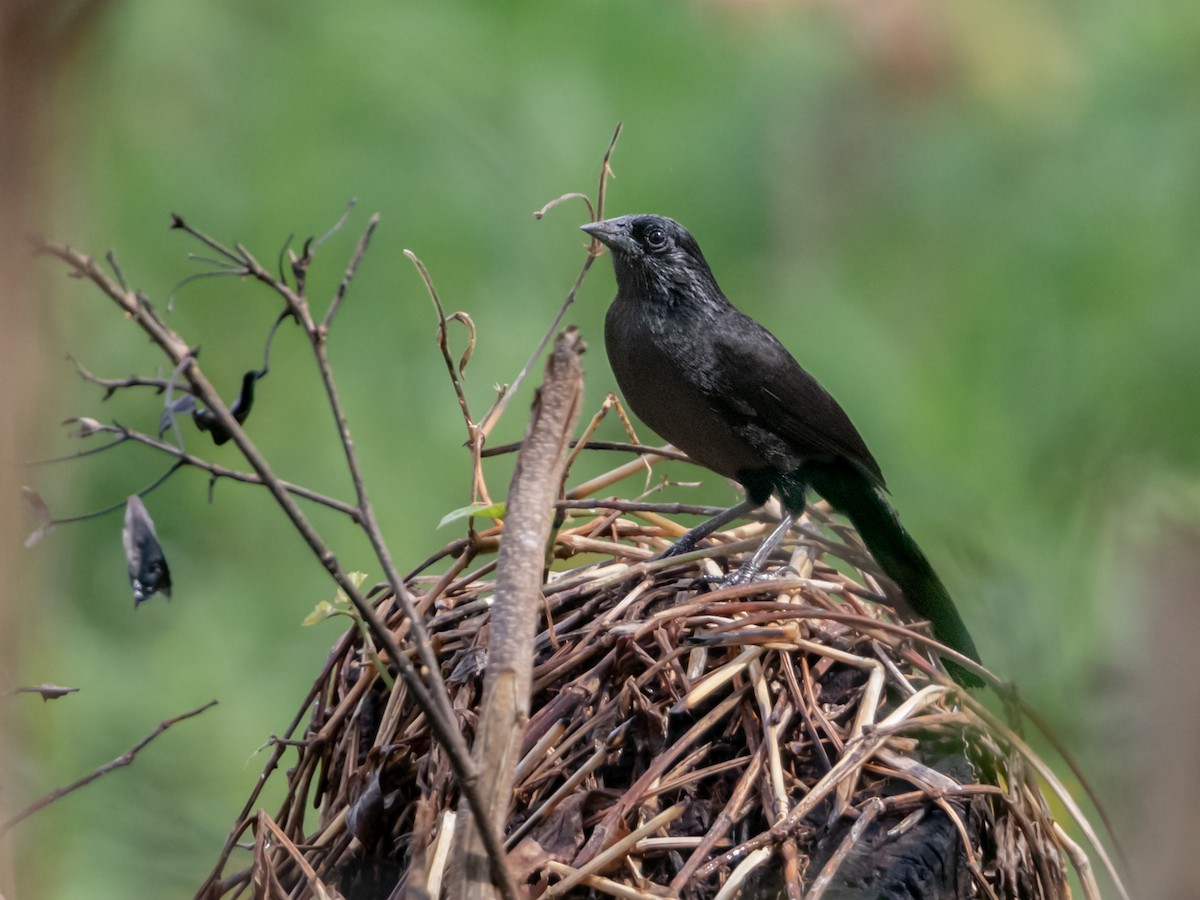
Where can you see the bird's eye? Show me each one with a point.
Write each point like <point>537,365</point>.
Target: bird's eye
<point>656,238</point>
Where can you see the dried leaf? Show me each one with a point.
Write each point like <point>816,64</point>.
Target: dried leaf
<point>35,505</point>
<point>469,352</point>
<point>48,691</point>
<point>148,571</point>
<point>39,510</point>
<point>86,427</point>
<point>561,835</point>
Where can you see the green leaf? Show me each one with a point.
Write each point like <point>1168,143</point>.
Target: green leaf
<point>495,511</point>
<point>356,579</point>
<point>340,605</point>
<point>320,613</point>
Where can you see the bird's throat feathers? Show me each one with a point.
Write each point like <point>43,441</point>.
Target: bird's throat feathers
<point>681,286</point>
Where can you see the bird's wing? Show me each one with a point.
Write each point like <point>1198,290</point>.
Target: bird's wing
<point>755,379</point>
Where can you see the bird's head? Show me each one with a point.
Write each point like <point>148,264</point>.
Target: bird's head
<point>653,256</point>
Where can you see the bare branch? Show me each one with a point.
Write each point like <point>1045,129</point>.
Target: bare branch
<point>474,438</point>
<point>112,385</point>
<point>178,222</point>
<point>493,415</point>
<point>312,246</point>
<point>96,514</point>
<point>121,761</point>
<point>666,452</point>
<point>351,269</point>
<point>213,469</point>
<point>573,195</point>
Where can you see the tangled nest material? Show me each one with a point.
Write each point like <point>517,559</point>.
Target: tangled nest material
<point>685,739</point>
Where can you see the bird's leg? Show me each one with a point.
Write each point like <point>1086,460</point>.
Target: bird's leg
<point>689,540</point>
<point>750,570</point>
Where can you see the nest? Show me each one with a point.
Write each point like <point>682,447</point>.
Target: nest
<point>685,739</point>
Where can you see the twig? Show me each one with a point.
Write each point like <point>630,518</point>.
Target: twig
<point>121,761</point>
<point>215,470</point>
<point>112,385</point>
<point>615,851</point>
<point>95,514</point>
<point>493,415</point>
<point>177,221</point>
<point>479,491</point>
<point>351,269</point>
<point>622,447</point>
<point>640,506</point>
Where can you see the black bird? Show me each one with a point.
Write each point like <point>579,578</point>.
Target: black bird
<point>720,387</point>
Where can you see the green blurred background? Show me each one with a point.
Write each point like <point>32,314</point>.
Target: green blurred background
<point>976,223</point>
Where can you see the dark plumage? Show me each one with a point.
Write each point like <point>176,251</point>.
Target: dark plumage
<point>720,387</point>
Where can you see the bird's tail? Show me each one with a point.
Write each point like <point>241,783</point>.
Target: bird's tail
<point>894,549</point>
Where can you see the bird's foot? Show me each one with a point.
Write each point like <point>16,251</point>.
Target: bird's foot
<point>747,574</point>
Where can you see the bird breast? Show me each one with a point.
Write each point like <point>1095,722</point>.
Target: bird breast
<point>663,364</point>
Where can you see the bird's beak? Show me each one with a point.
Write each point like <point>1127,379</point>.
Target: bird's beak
<point>612,233</point>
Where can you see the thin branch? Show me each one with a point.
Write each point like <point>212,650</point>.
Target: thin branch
<point>493,415</point>
<point>222,272</point>
<point>296,301</point>
<point>606,172</point>
<point>666,452</point>
<point>177,221</point>
<point>214,470</point>
<point>121,761</point>
<point>82,454</point>
<point>479,491</point>
<point>112,385</point>
<point>283,253</point>
<point>111,256</point>
<point>351,269</point>
<point>96,514</point>
<point>301,264</point>
<point>218,471</point>
<point>573,195</point>
<point>334,228</point>
<point>638,506</point>
<point>432,697</point>
<point>228,267</point>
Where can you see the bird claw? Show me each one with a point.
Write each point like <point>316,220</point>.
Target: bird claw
<point>746,575</point>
